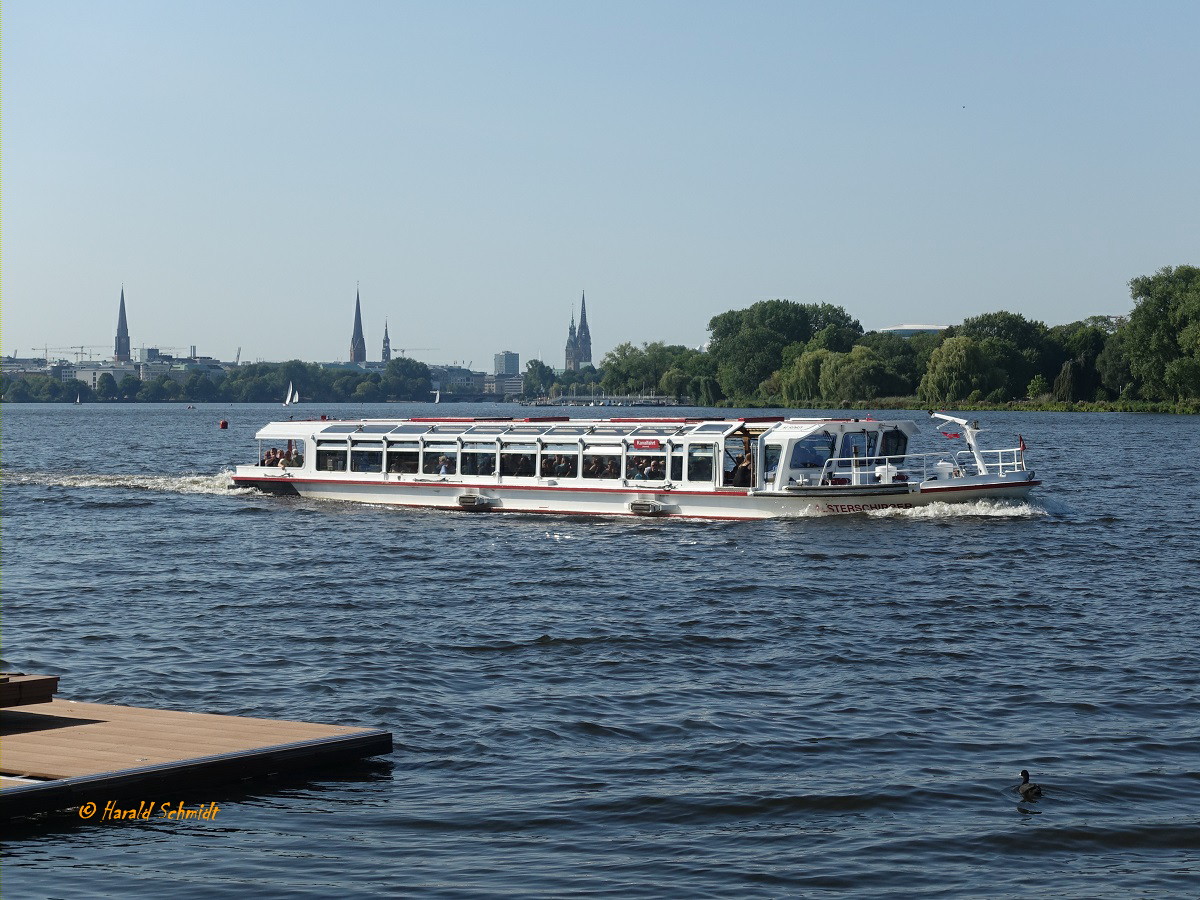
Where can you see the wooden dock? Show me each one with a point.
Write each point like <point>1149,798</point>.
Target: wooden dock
<point>59,754</point>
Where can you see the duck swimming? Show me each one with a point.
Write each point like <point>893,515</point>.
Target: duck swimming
<point>1026,788</point>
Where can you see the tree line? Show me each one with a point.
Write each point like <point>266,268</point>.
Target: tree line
<point>401,379</point>
<point>781,353</point>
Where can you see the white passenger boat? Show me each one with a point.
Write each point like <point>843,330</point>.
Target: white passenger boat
<point>746,468</point>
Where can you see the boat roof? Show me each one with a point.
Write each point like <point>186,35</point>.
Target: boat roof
<point>563,427</point>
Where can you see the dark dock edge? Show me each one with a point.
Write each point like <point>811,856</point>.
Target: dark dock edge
<point>153,782</point>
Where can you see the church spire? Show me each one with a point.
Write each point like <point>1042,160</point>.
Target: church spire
<point>121,350</point>
<point>571,353</point>
<point>358,343</point>
<point>387,344</point>
<point>584,335</point>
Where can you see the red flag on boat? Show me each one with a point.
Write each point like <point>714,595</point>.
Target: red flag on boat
<point>951,434</point>
<point>1021,443</point>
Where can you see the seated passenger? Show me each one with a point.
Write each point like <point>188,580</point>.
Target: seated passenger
<point>741,473</point>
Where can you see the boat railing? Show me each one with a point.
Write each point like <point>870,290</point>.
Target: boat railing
<point>996,462</point>
<point>840,471</point>
<point>917,467</point>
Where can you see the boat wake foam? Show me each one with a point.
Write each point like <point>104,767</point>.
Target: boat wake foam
<point>221,483</point>
<point>977,509</point>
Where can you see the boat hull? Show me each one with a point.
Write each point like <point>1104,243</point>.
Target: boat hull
<point>566,499</point>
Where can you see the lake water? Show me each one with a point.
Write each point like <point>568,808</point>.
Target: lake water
<point>623,707</point>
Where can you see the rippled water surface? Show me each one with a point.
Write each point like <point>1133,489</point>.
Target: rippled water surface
<point>626,707</point>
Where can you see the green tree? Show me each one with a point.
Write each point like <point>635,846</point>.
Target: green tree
<point>130,386</point>
<point>748,345</point>
<point>538,378</point>
<point>17,391</point>
<point>406,379</point>
<point>200,388</point>
<point>106,387</point>
<point>801,383</point>
<point>838,338</point>
<point>1164,328</point>
<point>705,390</point>
<point>958,369</point>
<point>1112,365</point>
<point>1019,347</point>
<point>674,383</point>
<point>857,375</point>
<point>1038,387</point>
<point>367,391</point>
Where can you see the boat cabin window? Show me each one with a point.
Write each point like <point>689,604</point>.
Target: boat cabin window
<point>518,460</point>
<point>331,456</point>
<point>813,451</point>
<point>700,459</point>
<point>646,466</point>
<point>403,458</point>
<point>736,446</point>
<point>440,459</point>
<point>857,446</point>
<point>366,456</point>
<point>646,459</point>
<point>602,462</point>
<point>771,455</point>
<point>479,459</point>
<point>560,460</point>
<point>894,444</point>
<point>676,464</point>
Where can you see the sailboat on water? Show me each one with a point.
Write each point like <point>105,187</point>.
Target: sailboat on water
<point>292,396</point>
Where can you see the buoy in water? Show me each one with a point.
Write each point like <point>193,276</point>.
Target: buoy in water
<point>224,423</point>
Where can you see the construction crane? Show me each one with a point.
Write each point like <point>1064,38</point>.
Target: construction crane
<point>404,351</point>
<point>75,350</point>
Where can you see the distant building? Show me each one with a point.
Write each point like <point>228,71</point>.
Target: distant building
<point>89,372</point>
<point>504,385</point>
<point>907,330</point>
<point>508,363</point>
<point>121,349</point>
<point>448,378</point>
<point>579,341</point>
<point>358,343</point>
<point>387,344</point>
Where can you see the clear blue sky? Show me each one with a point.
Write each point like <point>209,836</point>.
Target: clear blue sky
<point>239,166</point>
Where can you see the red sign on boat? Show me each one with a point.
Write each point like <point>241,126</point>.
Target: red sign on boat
<point>646,444</point>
